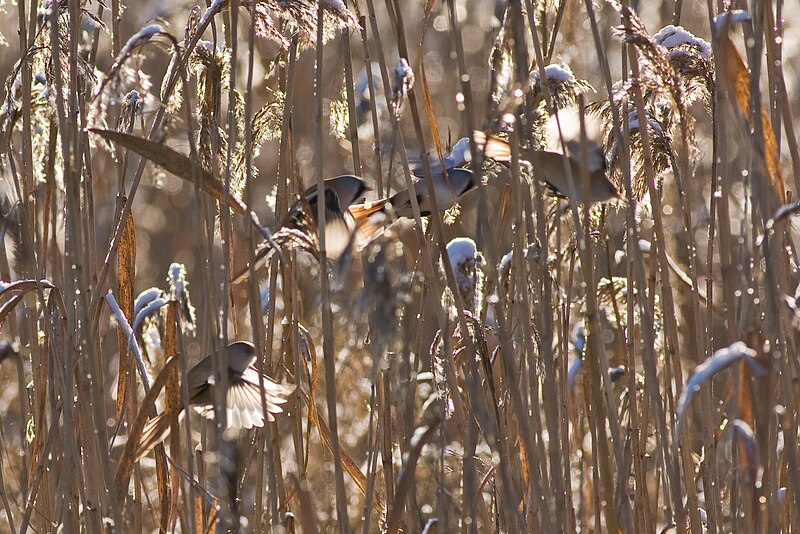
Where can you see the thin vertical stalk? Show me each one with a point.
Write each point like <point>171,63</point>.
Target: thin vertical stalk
<point>327,317</point>
<point>636,260</point>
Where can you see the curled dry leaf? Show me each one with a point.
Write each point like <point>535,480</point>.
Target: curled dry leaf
<point>23,286</point>
<point>717,362</point>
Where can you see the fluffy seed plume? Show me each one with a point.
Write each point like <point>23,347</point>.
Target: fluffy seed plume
<point>466,262</point>
<point>403,83</point>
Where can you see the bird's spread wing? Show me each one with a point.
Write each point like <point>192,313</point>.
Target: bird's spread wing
<point>337,231</point>
<point>337,236</point>
<point>244,400</point>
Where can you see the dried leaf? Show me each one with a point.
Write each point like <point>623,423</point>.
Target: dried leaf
<point>174,162</point>
<point>429,4</point>
<point>502,213</point>
<point>526,466</point>
<point>126,272</point>
<point>348,464</point>
<point>734,76</point>
<point>24,286</point>
<point>421,436</point>
<point>426,92</point>
<point>126,461</point>
<point>748,460</point>
<point>745,396</point>
<point>21,285</point>
<point>717,362</point>
<point>307,349</point>
<point>9,306</point>
<point>164,487</point>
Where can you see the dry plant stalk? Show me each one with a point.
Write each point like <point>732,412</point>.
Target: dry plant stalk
<point>524,361</point>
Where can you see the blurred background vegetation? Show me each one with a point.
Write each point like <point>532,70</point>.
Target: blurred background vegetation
<point>532,445</point>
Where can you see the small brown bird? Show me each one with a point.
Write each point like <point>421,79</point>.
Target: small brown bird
<point>244,408</point>
<point>340,193</point>
<point>447,191</point>
<point>551,166</point>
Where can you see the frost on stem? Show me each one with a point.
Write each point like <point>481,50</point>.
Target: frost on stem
<point>179,290</point>
<point>403,83</point>
<point>466,262</point>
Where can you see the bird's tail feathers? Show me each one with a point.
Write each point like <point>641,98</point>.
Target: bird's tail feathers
<point>155,431</point>
<point>493,147</point>
<point>370,217</point>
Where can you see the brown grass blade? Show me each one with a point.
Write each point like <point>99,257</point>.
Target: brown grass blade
<point>746,394</point>
<point>348,464</point>
<point>306,348</point>
<point>426,17</point>
<point>25,286</point>
<point>421,437</point>
<point>126,461</point>
<point>126,272</point>
<point>212,518</point>
<point>748,457</point>
<point>526,465</point>
<point>502,213</point>
<point>172,397</point>
<point>9,306</point>
<point>22,285</point>
<point>426,93</point>
<point>172,390</point>
<point>307,514</point>
<point>198,511</point>
<point>734,74</point>
<point>172,161</point>
<point>164,487</point>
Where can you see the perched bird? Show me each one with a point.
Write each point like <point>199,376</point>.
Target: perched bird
<point>300,224</point>
<point>550,166</point>
<point>458,157</point>
<point>340,193</point>
<point>493,148</point>
<point>244,408</point>
<point>368,216</point>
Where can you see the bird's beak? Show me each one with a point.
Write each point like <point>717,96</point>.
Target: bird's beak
<point>367,189</point>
